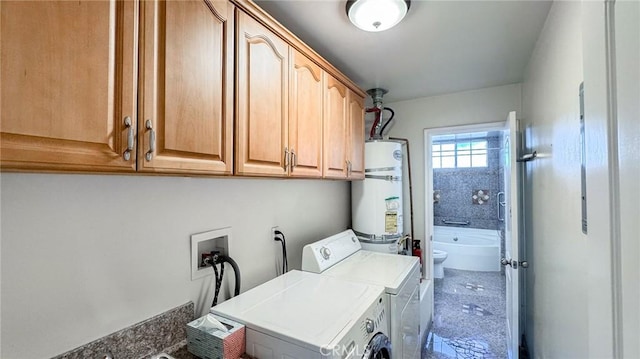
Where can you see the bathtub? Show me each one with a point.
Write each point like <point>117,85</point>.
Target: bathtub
<point>468,248</point>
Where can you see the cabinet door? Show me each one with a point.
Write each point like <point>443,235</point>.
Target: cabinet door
<point>262,65</point>
<point>356,136</point>
<point>305,117</point>
<point>186,87</point>
<point>68,83</point>
<point>335,129</point>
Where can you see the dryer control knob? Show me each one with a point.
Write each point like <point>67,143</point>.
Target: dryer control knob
<point>369,325</point>
<point>325,252</point>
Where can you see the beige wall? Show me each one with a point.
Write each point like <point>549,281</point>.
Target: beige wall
<point>557,281</point>
<point>86,255</point>
<point>463,108</point>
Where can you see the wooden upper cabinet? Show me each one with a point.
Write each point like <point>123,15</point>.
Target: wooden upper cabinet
<point>189,87</point>
<point>305,116</point>
<point>335,128</point>
<point>356,136</point>
<point>262,83</point>
<point>186,87</point>
<point>68,82</point>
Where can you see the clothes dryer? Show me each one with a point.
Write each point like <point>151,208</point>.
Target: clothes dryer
<point>341,256</point>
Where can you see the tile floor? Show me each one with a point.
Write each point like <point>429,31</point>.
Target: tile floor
<point>469,316</point>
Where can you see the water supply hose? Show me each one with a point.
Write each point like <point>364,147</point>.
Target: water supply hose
<point>218,279</point>
<point>222,259</point>
<point>236,270</point>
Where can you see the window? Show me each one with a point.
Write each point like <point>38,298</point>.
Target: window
<point>459,153</point>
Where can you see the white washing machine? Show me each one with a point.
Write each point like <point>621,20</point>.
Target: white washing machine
<point>306,315</point>
<point>341,256</point>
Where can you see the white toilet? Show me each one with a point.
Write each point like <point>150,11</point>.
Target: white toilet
<point>438,268</point>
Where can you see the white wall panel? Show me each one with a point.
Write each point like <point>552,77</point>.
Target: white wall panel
<point>86,255</point>
<point>557,279</point>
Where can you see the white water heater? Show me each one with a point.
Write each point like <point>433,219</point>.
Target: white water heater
<point>376,202</point>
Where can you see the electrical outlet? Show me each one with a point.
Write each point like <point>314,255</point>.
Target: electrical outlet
<point>273,231</point>
<point>202,244</point>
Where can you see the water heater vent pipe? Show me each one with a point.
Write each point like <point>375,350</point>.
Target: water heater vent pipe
<point>376,94</point>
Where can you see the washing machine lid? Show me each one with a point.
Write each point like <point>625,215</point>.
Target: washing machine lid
<point>388,270</point>
<point>302,308</point>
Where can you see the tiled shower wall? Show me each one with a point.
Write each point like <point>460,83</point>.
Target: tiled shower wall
<point>457,185</point>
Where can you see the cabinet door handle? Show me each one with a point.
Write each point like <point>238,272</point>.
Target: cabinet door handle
<point>286,158</point>
<point>152,140</point>
<point>348,168</point>
<point>294,159</point>
<point>127,152</point>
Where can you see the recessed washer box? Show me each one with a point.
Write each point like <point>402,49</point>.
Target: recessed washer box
<point>205,242</point>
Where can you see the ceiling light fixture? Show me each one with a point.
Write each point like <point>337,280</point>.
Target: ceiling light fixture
<point>377,15</point>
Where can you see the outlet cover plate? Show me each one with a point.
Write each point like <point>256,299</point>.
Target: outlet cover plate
<point>218,238</point>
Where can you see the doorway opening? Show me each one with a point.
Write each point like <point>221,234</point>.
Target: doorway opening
<point>466,208</point>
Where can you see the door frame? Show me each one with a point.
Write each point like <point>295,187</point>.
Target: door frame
<point>427,253</point>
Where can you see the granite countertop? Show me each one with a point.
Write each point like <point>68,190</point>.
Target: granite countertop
<point>162,334</point>
<point>179,351</point>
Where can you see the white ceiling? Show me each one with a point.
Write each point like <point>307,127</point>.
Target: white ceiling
<point>440,47</point>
